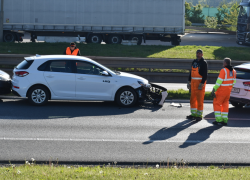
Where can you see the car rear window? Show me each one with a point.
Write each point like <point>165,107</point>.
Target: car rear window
<point>24,64</point>
<point>242,73</point>
<point>56,66</point>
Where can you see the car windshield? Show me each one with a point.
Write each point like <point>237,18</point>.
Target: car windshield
<point>242,73</point>
<point>244,11</point>
<point>113,71</point>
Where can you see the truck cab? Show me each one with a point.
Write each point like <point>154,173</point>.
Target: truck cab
<point>243,27</point>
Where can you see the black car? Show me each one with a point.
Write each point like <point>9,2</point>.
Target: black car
<point>5,83</point>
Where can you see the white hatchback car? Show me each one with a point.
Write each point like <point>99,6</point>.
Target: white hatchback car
<point>240,94</point>
<point>63,77</point>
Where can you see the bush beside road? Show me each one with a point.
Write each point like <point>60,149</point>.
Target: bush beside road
<point>181,52</point>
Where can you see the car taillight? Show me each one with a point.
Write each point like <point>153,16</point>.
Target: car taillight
<point>246,84</point>
<point>21,73</point>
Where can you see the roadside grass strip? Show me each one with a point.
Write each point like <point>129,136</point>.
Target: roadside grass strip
<point>153,51</point>
<point>51,171</point>
<point>185,94</point>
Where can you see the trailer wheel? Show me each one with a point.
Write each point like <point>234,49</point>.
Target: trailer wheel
<point>95,38</point>
<point>137,38</point>
<point>9,37</point>
<point>114,39</point>
<point>175,43</point>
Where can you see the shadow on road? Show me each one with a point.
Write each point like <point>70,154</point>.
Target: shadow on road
<point>238,117</point>
<point>167,133</point>
<point>21,109</point>
<point>200,136</point>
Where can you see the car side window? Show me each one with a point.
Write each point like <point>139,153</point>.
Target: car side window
<point>88,68</point>
<point>60,66</point>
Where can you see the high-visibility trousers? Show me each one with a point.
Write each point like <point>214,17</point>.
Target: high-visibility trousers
<point>221,106</point>
<point>197,98</point>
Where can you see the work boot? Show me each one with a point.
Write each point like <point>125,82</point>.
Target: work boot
<point>198,118</point>
<point>224,124</point>
<point>217,123</point>
<point>190,117</point>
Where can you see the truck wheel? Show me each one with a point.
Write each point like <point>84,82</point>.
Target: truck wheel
<point>137,38</point>
<point>9,37</point>
<point>237,104</point>
<point>95,38</point>
<point>114,39</point>
<point>175,43</point>
<point>126,97</point>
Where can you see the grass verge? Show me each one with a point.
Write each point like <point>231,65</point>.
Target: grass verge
<point>184,94</point>
<point>108,172</point>
<point>182,52</point>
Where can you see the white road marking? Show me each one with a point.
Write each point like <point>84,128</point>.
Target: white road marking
<point>122,140</point>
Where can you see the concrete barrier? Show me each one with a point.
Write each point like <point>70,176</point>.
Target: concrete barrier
<point>148,63</point>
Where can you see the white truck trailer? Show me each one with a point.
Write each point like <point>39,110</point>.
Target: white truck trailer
<point>110,21</point>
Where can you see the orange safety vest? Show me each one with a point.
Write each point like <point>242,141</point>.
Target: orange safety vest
<point>68,51</point>
<point>228,78</point>
<point>195,75</point>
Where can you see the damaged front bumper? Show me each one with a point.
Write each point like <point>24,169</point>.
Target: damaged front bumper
<point>152,93</point>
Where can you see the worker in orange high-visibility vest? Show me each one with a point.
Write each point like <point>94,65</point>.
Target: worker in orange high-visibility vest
<point>221,92</point>
<point>197,84</point>
<point>72,50</point>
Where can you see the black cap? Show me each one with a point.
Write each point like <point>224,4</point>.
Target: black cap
<point>72,44</point>
<point>199,51</point>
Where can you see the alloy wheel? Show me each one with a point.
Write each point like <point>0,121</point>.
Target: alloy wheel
<point>38,96</point>
<point>127,98</point>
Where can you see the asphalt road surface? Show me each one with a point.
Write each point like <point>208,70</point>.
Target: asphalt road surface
<point>202,39</point>
<point>102,132</point>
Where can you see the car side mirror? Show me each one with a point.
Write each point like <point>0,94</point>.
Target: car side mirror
<point>105,73</point>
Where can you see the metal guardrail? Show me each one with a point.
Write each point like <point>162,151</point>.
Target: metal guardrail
<point>218,25</point>
<point>194,29</point>
<point>125,62</point>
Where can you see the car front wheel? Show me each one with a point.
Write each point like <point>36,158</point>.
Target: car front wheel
<point>38,95</point>
<point>126,97</point>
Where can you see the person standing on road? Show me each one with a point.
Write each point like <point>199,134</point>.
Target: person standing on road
<point>197,84</point>
<point>72,50</point>
<point>221,92</point>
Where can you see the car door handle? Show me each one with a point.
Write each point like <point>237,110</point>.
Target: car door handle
<point>50,76</point>
<point>81,78</point>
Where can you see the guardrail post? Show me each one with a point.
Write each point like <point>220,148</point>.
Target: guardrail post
<point>1,21</point>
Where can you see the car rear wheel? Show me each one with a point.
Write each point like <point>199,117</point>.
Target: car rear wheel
<point>126,97</point>
<point>237,104</point>
<point>38,95</point>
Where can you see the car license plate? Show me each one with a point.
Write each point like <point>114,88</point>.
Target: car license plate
<point>235,90</point>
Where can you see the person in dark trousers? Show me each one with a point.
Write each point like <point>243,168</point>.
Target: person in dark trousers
<point>197,84</point>
<point>72,50</point>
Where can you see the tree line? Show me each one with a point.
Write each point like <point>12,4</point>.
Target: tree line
<point>213,3</point>
<point>227,15</point>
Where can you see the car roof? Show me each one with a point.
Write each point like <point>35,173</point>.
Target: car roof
<point>58,57</point>
<point>244,66</point>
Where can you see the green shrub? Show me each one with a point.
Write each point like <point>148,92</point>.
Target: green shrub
<point>188,23</point>
<point>211,22</point>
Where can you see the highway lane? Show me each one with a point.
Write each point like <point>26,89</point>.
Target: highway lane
<point>198,39</point>
<point>103,132</point>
